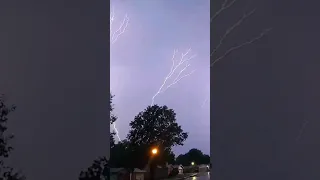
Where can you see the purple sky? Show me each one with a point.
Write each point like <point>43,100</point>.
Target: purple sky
<point>141,58</point>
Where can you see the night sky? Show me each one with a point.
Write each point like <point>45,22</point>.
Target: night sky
<point>141,59</point>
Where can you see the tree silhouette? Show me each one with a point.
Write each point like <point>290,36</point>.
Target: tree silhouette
<point>156,126</point>
<point>6,172</point>
<point>99,170</point>
<point>122,156</point>
<point>113,119</point>
<point>171,158</point>
<point>194,155</point>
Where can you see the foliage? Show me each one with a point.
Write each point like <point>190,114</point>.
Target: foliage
<point>112,140</point>
<point>194,155</point>
<point>6,172</point>
<point>113,118</point>
<point>171,158</point>
<point>124,155</point>
<point>99,170</point>
<point>156,126</point>
<point>120,155</point>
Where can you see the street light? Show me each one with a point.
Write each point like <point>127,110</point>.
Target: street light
<point>192,163</point>
<point>154,151</point>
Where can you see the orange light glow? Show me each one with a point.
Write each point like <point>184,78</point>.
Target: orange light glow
<point>154,151</point>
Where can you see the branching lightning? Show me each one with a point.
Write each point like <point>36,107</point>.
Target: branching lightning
<point>230,50</point>
<point>116,131</point>
<point>226,5</point>
<point>114,35</point>
<point>183,65</point>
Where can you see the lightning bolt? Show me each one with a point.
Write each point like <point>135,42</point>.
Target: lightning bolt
<point>116,130</point>
<point>225,6</point>
<point>114,35</point>
<point>183,65</point>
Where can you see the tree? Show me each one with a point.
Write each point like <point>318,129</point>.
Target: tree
<point>171,158</point>
<point>6,172</point>
<point>113,119</point>
<point>156,126</point>
<point>120,155</point>
<point>99,170</point>
<point>194,155</point>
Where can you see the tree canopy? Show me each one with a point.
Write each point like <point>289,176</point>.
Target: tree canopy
<point>113,119</point>
<point>99,170</point>
<point>6,172</point>
<point>156,125</point>
<point>120,155</point>
<point>194,155</point>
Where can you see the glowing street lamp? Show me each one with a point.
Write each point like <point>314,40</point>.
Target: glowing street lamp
<point>192,163</point>
<point>154,151</point>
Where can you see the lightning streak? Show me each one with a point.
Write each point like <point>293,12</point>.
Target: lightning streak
<point>114,35</point>
<point>116,130</point>
<point>183,65</point>
<point>226,5</point>
<point>229,51</point>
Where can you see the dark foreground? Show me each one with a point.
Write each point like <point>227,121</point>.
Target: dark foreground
<point>200,176</point>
